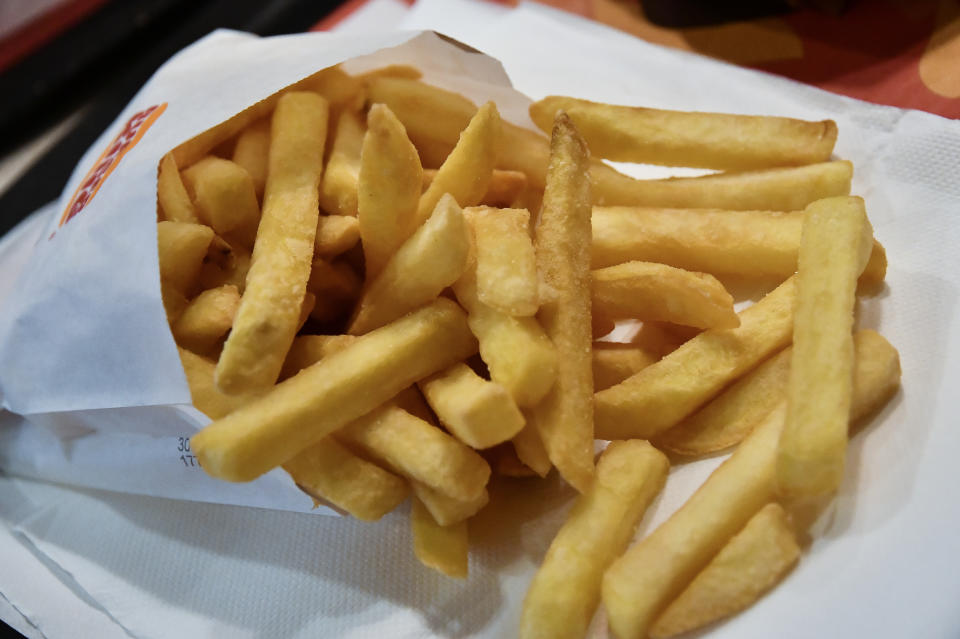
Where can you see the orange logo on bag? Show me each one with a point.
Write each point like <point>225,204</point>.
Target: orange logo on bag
<point>136,126</point>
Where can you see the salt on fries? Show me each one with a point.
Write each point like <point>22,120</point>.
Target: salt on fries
<point>415,313</point>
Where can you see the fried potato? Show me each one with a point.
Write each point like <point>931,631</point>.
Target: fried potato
<point>662,394</point>
<point>252,152</point>
<point>748,243</point>
<point>182,247</point>
<point>341,90</point>
<point>207,319</point>
<point>341,177</point>
<point>564,417</point>
<point>506,462</point>
<point>225,197</point>
<point>431,260</point>
<point>391,71</point>
<point>651,574</point>
<point>203,392</point>
<point>751,563</point>
<point>174,302</point>
<point>231,272</point>
<point>478,412</point>
<point>465,173</point>
<point>506,262</point>
<point>531,451</point>
<point>613,363</point>
<point>836,243</point>
<point>307,350</point>
<point>564,593</point>
<point>333,392</point>
<point>684,138</point>
<point>418,450</point>
<point>649,291</point>
<point>445,510</point>
<point>277,281</point>
<point>336,234</point>
<point>328,471</point>
<point>172,196</point>
<point>505,189</point>
<point>443,548</point>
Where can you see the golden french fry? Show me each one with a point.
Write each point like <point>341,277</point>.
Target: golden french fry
<point>336,390</point>
<point>782,189</point>
<point>428,262</point>
<point>328,471</point>
<point>182,247</point>
<point>204,393</point>
<point>392,71</point>
<point>448,511</point>
<point>388,188</point>
<point>465,173</point>
<point>505,190</point>
<point>684,138</point>
<point>232,272</point>
<point>531,451</point>
<point>836,243</point>
<point>336,234</point>
<point>276,283</point>
<point>516,350</point>
<point>640,585</point>
<point>443,548</point>
<point>252,152</point>
<point>749,565</point>
<point>749,243</point>
<point>225,197</point>
<point>174,302</point>
<point>662,394</point>
<point>506,262</point>
<point>566,589</point>
<point>418,450</point>
<point>338,188</point>
<point>207,319</point>
<point>478,412</point>
<point>307,350</point>
<point>613,363</point>
<point>564,417</point>
<point>341,90</point>
<point>172,196</point>
<point>650,291</point>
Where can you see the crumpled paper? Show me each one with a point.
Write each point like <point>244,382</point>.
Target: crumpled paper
<point>882,567</point>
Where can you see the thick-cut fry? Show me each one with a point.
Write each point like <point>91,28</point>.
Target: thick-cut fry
<point>232,271</point>
<point>505,190</point>
<point>207,319</point>
<point>565,416</point>
<point>443,548</point>
<point>835,247</point>
<point>204,393</point>
<point>172,196</point>
<point>566,589</point>
<point>683,138</point>
<point>649,291</point>
<point>328,471</point>
<point>307,350</point>
<point>419,450</point>
<point>336,234</point>
<point>506,262</point>
<point>478,412</point>
<point>252,152</point>
<point>447,510</point>
<point>182,246</point>
<point>431,260</point>
<point>516,350</point>
<point>225,197</point>
<point>639,585</point>
<point>270,309</point>
<point>531,451</point>
<point>336,390</point>
<point>751,563</point>
<point>749,243</point>
<point>338,189</point>
<point>465,174</point>
<point>661,395</point>
<point>613,363</point>
<point>388,188</point>
<point>784,189</point>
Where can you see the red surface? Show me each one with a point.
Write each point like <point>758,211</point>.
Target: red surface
<point>45,28</point>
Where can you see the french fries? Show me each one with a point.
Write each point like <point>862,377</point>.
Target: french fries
<point>613,363</point>
<point>341,176</point>
<point>682,138</point>
<point>506,262</point>
<point>336,234</point>
<point>203,392</point>
<point>252,152</point>
<point>566,590</point>
<point>836,243</point>
<point>564,417</point>
<point>445,510</point>
<point>442,548</point>
<point>531,451</point>
<point>182,248</point>
<point>207,319</point>
<point>225,197</point>
<point>172,197</point>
